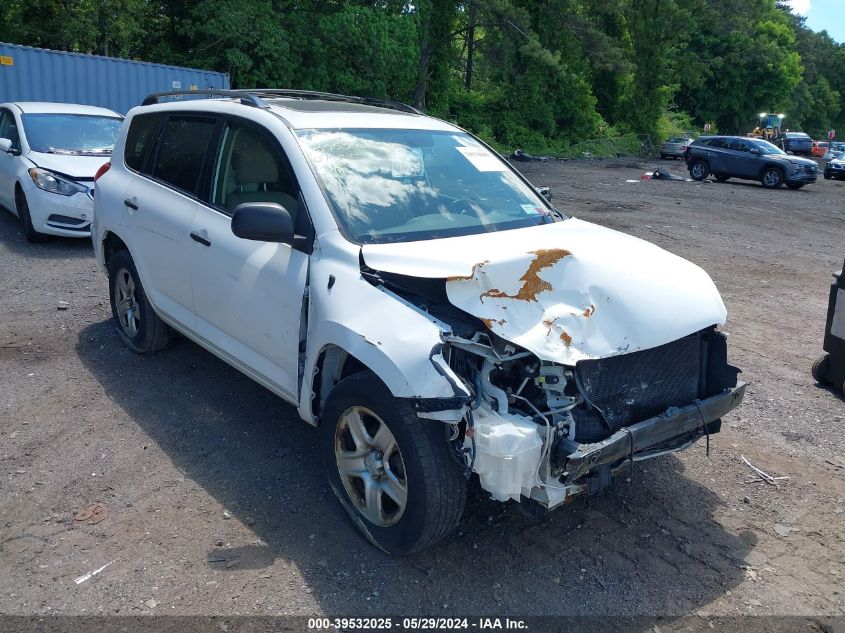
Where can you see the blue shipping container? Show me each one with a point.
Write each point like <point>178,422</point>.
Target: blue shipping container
<point>37,74</point>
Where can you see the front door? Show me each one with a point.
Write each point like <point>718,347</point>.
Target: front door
<point>248,295</point>
<point>8,161</point>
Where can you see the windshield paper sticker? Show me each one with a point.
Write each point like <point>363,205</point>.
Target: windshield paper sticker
<point>532,209</point>
<point>481,159</point>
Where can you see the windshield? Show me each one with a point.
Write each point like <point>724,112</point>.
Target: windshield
<point>407,185</point>
<point>768,148</point>
<point>71,133</point>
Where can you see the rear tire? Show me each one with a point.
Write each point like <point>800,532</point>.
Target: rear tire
<point>26,219</point>
<point>827,176</point>
<point>699,170</point>
<point>820,368</point>
<point>139,327</point>
<point>663,156</point>
<point>772,178</point>
<point>391,470</point>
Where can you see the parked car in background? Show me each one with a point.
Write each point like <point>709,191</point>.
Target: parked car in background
<point>836,148</point>
<point>413,296</point>
<point>820,148</point>
<point>750,159</point>
<point>674,147</point>
<point>49,154</point>
<point>795,143</point>
<point>835,168</point>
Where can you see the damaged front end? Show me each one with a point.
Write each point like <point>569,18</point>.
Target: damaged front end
<point>577,360</point>
<point>539,430</point>
<point>545,431</point>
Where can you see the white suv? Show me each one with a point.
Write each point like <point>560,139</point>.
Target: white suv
<point>413,296</point>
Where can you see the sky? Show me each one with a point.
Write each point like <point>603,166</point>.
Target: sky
<point>823,15</point>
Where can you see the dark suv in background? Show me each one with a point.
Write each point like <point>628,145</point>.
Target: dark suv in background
<point>795,143</point>
<point>748,158</point>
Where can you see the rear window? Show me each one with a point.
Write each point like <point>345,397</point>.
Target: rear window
<point>797,135</point>
<point>140,139</point>
<point>182,150</point>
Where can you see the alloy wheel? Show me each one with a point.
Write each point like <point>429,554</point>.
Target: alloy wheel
<point>371,466</point>
<point>128,310</point>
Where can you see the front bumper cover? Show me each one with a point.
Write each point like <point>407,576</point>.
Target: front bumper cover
<point>654,435</point>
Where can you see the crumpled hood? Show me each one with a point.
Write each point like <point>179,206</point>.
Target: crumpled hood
<point>795,160</point>
<point>77,167</point>
<point>566,291</point>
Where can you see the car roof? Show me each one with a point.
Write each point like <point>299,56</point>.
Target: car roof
<point>46,107</point>
<point>312,113</point>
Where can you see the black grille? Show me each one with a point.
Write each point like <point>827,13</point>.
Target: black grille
<point>633,387</point>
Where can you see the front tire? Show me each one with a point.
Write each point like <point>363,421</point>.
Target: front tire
<point>26,219</point>
<point>772,178</point>
<point>699,170</point>
<point>391,470</point>
<point>139,327</point>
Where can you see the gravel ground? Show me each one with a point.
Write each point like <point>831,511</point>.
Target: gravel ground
<point>215,504</point>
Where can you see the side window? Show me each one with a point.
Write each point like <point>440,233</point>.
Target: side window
<point>739,146</point>
<point>140,138</point>
<point>8,129</point>
<point>251,167</point>
<point>716,143</point>
<point>181,151</point>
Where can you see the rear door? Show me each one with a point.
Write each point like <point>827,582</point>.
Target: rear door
<point>716,156</point>
<point>160,206</point>
<point>248,295</point>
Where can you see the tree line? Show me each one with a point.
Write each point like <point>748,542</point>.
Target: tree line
<point>537,74</point>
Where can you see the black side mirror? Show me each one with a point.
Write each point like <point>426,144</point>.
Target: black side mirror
<point>263,222</point>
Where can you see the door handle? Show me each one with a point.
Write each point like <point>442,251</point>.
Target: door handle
<point>129,203</point>
<point>199,238</point>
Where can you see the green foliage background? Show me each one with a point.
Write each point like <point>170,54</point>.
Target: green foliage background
<point>543,75</point>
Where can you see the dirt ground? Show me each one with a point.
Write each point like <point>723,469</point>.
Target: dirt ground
<point>215,503</point>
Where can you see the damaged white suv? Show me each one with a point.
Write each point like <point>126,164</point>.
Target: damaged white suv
<point>412,295</point>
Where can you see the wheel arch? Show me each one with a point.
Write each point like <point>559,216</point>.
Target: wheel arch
<point>767,166</point>
<point>112,243</point>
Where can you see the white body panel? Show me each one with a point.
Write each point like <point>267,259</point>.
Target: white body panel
<point>566,291</point>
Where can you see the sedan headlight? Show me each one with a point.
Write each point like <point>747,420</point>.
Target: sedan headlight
<point>48,181</point>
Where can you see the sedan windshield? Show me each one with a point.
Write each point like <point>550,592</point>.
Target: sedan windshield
<point>407,185</point>
<point>71,133</point>
<point>768,148</point>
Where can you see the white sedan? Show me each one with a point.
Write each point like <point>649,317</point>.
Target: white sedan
<point>49,155</point>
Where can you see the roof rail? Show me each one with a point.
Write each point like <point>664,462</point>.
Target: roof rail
<point>245,97</point>
<point>285,93</point>
<point>255,97</point>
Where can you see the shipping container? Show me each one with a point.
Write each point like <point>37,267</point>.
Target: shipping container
<point>38,74</point>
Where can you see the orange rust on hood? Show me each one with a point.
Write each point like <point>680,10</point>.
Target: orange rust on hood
<point>489,322</point>
<point>590,311</point>
<point>567,340</point>
<point>471,275</point>
<point>532,284</point>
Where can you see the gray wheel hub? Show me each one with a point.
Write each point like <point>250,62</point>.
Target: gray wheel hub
<point>371,467</point>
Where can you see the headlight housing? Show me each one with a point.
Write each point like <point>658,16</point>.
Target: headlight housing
<point>49,181</point>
